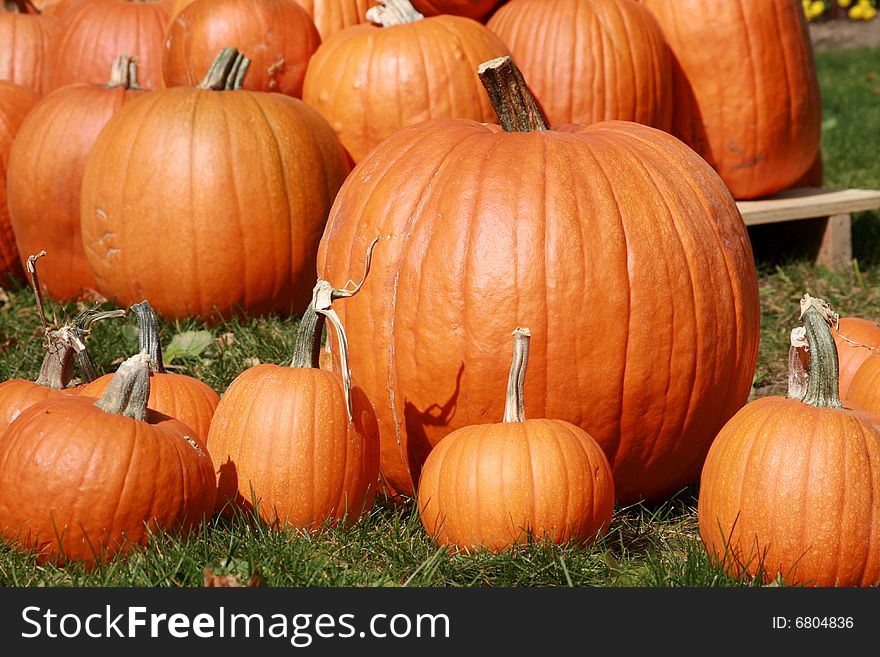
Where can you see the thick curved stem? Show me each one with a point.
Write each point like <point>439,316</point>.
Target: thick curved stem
<point>148,335</point>
<point>514,403</point>
<point>513,102</point>
<point>129,389</point>
<point>227,71</point>
<point>393,12</point>
<point>822,384</point>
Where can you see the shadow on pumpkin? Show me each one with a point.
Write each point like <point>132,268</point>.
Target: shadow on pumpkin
<point>418,445</point>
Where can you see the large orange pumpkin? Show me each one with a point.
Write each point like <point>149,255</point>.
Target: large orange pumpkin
<point>15,103</point>
<point>493,486</point>
<point>93,33</point>
<point>370,81</point>
<point>297,443</point>
<point>84,479</point>
<point>590,60</point>
<point>277,36</point>
<point>746,93</point>
<point>180,396</point>
<point>618,240</point>
<point>791,485</point>
<point>46,165</point>
<point>25,38</point>
<point>230,226</point>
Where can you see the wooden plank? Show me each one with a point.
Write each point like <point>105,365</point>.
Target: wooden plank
<point>835,248</point>
<point>807,202</point>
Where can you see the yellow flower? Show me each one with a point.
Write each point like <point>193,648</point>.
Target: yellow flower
<point>844,3</point>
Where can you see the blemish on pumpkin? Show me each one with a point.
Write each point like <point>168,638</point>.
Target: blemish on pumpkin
<point>112,252</point>
<point>194,445</point>
<point>101,214</point>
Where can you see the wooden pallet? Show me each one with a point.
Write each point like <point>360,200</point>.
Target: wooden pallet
<point>832,208</point>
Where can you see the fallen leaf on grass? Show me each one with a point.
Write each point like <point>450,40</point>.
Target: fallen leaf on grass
<point>232,580</point>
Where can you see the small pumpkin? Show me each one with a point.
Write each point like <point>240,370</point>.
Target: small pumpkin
<point>590,60</point>
<point>46,165</point>
<point>25,40</point>
<point>493,486</point>
<point>855,338</point>
<point>92,33</point>
<point>229,227</point>
<point>277,36</point>
<point>180,396</point>
<point>371,80</point>
<point>64,348</point>
<point>86,480</point>
<point>791,485</point>
<point>297,443</point>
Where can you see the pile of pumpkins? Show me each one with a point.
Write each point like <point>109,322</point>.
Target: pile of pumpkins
<point>562,169</point>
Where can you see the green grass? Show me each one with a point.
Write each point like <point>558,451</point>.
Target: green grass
<point>645,546</point>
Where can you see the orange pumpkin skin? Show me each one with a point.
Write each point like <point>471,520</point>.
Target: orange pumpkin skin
<point>483,486</point>
<point>278,36</point>
<point>24,47</point>
<point>806,482</point>
<point>99,472</point>
<point>46,165</point>
<point>17,395</point>
<point>476,9</point>
<point>369,81</point>
<point>852,356</point>
<point>15,103</point>
<point>182,397</point>
<point>92,33</point>
<point>590,60</point>
<point>669,293</point>
<point>282,442</point>
<point>261,182</point>
<point>331,16</point>
<point>864,388</point>
<point>746,93</point>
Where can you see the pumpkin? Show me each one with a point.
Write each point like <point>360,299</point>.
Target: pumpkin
<point>86,480</point>
<point>855,338</point>
<point>15,103</point>
<point>229,227</point>
<point>864,388</point>
<point>370,81</point>
<point>25,38</point>
<point>92,33</point>
<point>331,16</point>
<point>476,9</point>
<point>494,486</point>
<point>180,396</point>
<point>277,36</point>
<point>297,443</point>
<point>46,164</point>
<point>616,231</point>
<point>746,95</point>
<point>64,348</point>
<point>590,60</point>
<point>791,485</point>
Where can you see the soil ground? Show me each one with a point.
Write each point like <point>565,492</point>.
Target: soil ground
<point>842,33</point>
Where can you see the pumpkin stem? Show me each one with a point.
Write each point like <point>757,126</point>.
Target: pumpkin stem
<point>798,359</point>
<point>129,389</point>
<point>148,335</point>
<point>516,107</point>
<point>20,7</point>
<point>65,345</point>
<point>822,384</point>
<point>393,12</point>
<point>307,350</point>
<point>227,71</point>
<point>123,73</point>
<point>515,404</point>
